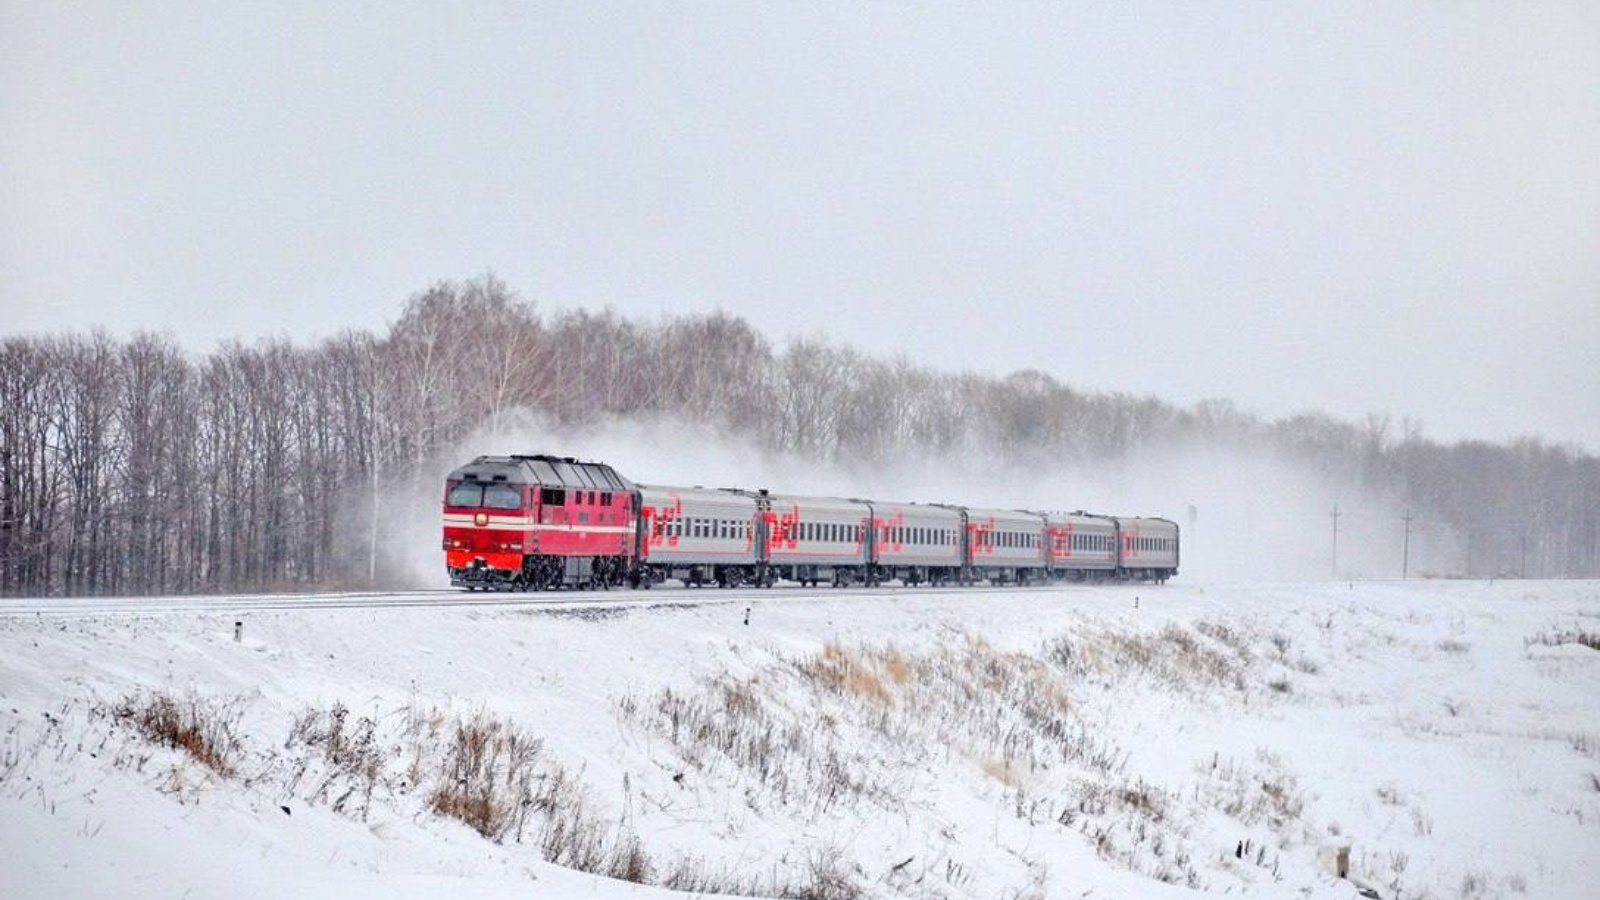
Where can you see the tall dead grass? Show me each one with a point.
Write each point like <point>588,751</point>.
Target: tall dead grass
<point>1558,637</point>
<point>353,760</point>
<point>205,728</point>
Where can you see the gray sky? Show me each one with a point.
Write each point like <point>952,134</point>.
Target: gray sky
<point>1390,206</point>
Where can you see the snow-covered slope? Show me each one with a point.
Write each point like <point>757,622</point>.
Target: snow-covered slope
<point>1116,741</point>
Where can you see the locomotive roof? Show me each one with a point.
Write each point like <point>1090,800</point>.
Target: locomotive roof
<point>549,471</point>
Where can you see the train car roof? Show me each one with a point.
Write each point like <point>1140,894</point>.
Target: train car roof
<point>820,504</point>
<point>930,509</point>
<point>1078,518</point>
<point>701,494</point>
<point>1148,522</point>
<point>974,512</point>
<point>548,471</point>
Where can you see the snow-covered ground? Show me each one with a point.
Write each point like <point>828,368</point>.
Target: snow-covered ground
<point>1087,741</point>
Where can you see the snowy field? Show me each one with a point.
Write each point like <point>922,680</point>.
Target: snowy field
<point>1078,742</point>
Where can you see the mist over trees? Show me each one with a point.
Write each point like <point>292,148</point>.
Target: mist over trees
<point>132,467</point>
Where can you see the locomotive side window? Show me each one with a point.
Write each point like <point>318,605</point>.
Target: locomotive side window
<point>552,496</point>
<point>501,496</point>
<point>465,495</point>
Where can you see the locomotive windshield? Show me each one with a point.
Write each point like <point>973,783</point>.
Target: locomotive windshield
<point>486,496</point>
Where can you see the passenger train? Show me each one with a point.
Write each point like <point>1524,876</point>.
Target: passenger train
<point>546,522</point>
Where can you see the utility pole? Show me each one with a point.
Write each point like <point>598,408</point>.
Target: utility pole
<point>1405,560</point>
<point>1335,516</point>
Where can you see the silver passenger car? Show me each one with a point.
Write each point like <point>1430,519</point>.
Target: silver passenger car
<point>1081,546</point>
<point>1006,544</point>
<point>815,539</point>
<point>917,543</point>
<point>1147,549</point>
<point>697,535</point>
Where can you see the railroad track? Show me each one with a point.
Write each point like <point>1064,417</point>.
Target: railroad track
<point>623,598</point>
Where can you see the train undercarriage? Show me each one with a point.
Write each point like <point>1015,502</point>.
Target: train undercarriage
<point>548,573</point>
<point>545,573</point>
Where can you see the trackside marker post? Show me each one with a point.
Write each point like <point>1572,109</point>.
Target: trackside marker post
<point>238,632</point>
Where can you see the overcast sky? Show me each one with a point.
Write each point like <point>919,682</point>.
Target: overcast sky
<point>1386,206</point>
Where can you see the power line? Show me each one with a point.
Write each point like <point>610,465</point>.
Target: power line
<point>1405,560</point>
<point>1335,516</point>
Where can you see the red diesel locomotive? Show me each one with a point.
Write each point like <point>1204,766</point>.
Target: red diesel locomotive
<point>538,522</point>
<point>543,522</point>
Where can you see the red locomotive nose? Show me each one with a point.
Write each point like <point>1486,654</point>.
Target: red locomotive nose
<point>480,519</point>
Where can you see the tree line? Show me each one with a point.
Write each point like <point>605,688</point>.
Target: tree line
<point>133,467</point>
